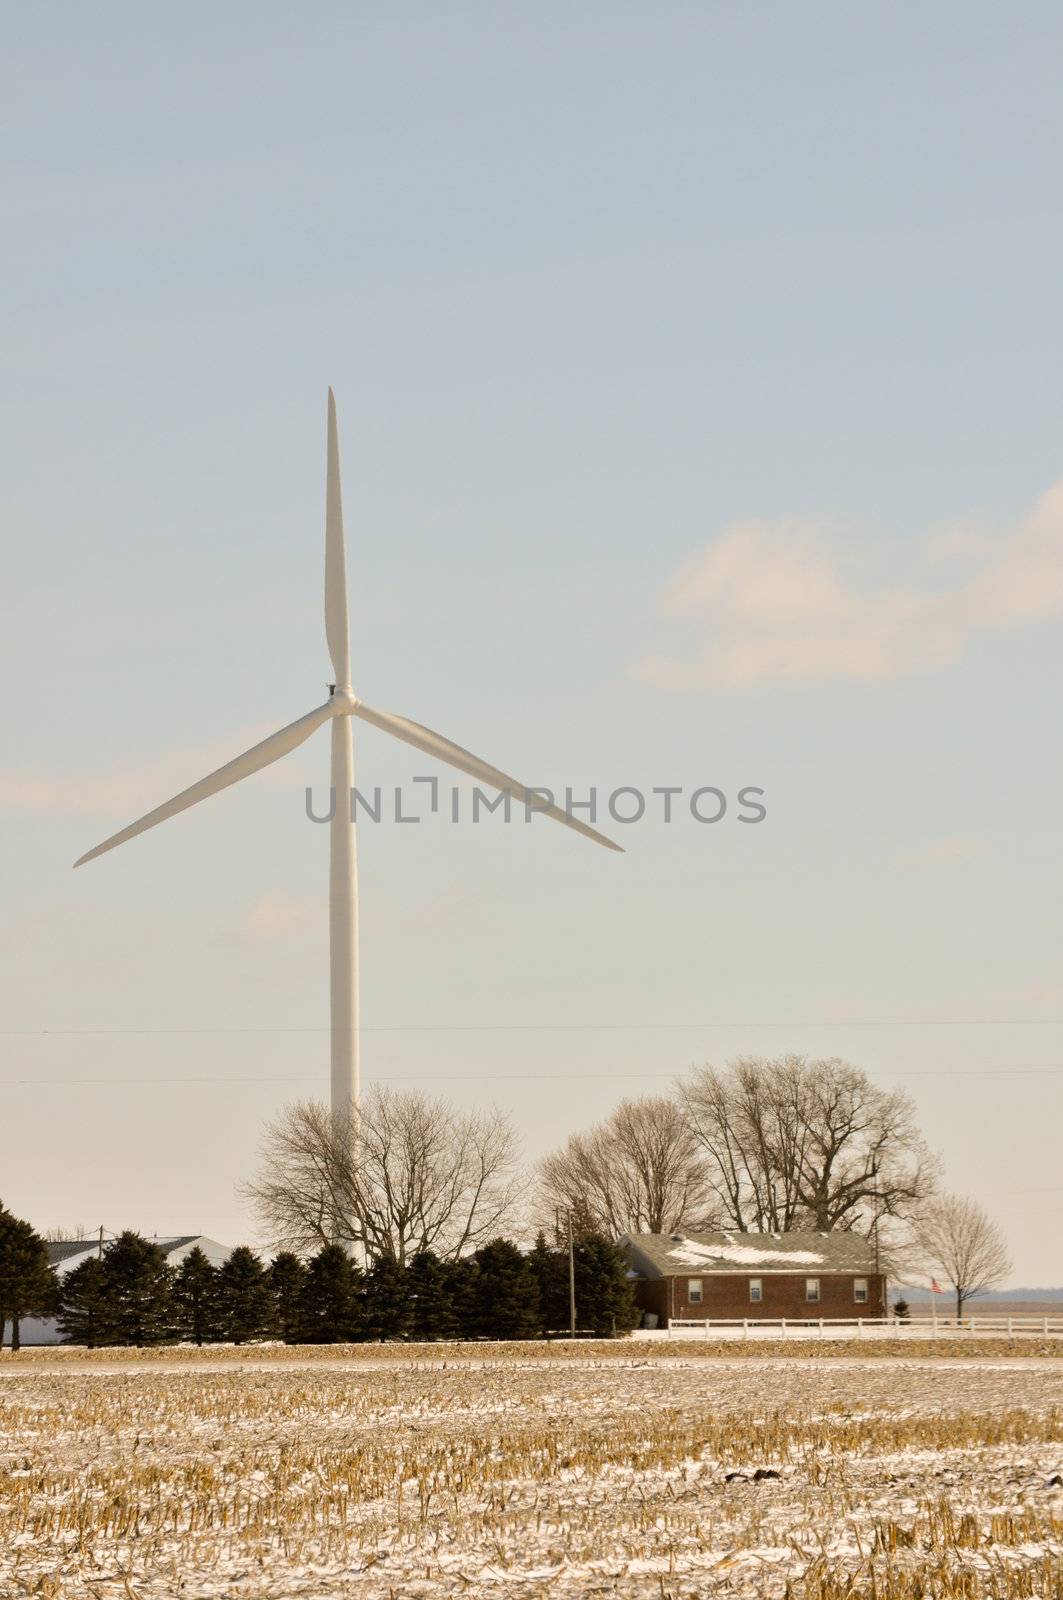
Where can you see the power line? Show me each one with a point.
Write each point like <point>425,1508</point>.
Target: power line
<point>557,1027</point>
<point>504,1077</point>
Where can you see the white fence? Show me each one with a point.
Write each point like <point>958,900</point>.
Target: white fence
<point>861,1327</point>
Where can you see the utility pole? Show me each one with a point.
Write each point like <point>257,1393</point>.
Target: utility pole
<point>571,1264</point>
<point>99,1252</point>
<point>878,1259</point>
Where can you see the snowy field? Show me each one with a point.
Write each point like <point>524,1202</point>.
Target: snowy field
<point>656,1470</point>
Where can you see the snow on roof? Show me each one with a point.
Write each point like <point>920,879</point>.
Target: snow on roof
<point>689,1254</point>
<point>662,1255</point>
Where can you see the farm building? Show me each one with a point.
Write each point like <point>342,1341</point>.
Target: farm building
<point>736,1276</point>
<point>66,1254</point>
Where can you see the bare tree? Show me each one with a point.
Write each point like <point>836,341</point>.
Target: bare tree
<point>62,1235</point>
<point>640,1171</point>
<point>795,1143</point>
<point>741,1119</point>
<point>422,1176</point>
<point>955,1237</point>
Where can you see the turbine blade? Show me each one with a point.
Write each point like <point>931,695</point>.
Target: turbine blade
<point>434,744</point>
<point>260,755</point>
<point>336,626</point>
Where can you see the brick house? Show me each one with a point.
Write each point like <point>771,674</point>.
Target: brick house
<point>730,1276</point>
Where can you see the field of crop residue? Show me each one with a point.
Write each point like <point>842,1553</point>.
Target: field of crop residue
<point>645,1473</point>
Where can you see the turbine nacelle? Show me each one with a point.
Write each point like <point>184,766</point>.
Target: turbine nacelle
<point>343,702</point>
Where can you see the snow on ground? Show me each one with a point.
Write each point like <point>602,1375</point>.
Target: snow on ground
<point>515,1476</point>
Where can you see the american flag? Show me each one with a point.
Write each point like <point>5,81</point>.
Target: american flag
<point>935,1287</point>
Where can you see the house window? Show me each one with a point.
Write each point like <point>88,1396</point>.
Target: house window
<point>694,1291</point>
<point>756,1291</point>
<point>860,1291</point>
<point>812,1289</point>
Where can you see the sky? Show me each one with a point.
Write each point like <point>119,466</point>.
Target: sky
<point>699,392</point>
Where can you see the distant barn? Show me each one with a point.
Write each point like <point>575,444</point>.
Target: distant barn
<point>66,1254</point>
<point>736,1276</point>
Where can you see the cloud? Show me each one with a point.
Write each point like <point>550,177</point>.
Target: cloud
<point>443,910</point>
<point>132,788</point>
<point>957,848</point>
<point>276,916</point>
<point>780,602</point>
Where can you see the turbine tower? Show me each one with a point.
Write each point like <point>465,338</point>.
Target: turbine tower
<point>341,705</point>
<point>345,1067</point>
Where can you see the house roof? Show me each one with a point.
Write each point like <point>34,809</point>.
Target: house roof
<point>60,1250</point>
<point>662,1255</point>
<point>66,1254</point>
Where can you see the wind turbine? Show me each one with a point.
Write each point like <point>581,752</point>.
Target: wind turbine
<point>341,705</point>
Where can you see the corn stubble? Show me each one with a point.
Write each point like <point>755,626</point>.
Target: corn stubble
<point>524,1477</point>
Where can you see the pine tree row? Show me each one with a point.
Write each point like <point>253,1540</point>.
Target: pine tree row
<point>130,1296</point>
<point>28,1285</point>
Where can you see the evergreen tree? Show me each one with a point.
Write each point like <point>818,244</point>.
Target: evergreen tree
<point>244,1301</point>
<point>194,1298</point>
<point>84,1305</point>
<point>388,1310</point>
<point>331,1298</point>
<point>433,1314</point>
<point>506,1293</point>
<point>460,1282</point>
<point>138,1308</point>
<point>549,1268</point>
<point>27,1283</point>
<point>287,1278</point>
<point>605,1299</point>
